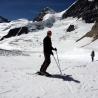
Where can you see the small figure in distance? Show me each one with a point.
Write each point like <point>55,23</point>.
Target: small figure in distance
<point>92,55</point>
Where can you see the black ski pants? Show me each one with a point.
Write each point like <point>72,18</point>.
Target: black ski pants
<point>46,62</point>
<point>92,58</point>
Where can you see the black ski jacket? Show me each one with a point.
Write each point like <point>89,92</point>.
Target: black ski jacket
<point>47,45</point>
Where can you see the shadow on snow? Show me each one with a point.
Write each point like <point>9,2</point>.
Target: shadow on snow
<point>65,77</point>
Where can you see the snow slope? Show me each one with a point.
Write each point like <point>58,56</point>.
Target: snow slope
<point>17,78</point>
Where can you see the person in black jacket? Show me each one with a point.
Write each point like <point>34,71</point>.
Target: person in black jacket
<point>92,55</point>
<point>47,46</point>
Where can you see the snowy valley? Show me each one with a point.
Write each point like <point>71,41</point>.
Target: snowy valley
<point>22,56</point>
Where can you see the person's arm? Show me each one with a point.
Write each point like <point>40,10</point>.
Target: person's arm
<point>52,48</point>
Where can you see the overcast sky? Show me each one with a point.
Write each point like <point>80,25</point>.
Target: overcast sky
<point>15,9</point>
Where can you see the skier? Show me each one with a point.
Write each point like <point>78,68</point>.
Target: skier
<point>47,47</point>
<point>92,55</point>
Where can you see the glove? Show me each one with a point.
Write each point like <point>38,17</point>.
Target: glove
<point>55,49</point>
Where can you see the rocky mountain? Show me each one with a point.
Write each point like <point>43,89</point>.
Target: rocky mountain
<point>92,34</point>
<point>43,12</point>
<point>85,9</point>
<point>2,19</point>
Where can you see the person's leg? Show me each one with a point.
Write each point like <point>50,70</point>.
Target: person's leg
<point>42,67</point>
<point>48,61</point>
<point>45,63</point>
<point>92,58</point>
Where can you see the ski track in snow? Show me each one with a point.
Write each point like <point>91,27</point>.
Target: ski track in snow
<point>15,80</point>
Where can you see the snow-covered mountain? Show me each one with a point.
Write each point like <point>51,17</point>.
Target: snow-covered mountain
<point>48,20</point>
<point>22,56</point>
<point>51,20</point>
<point>86,10</point>
<point>43,12</point>
<point>70,22</point>
<point>92,34</point>
<point>2,20</point>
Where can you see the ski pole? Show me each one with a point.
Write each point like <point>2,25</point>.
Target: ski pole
<point>57,65</point>
<point>58,58</point>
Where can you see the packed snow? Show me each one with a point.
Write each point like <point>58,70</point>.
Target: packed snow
<point>17,78</point>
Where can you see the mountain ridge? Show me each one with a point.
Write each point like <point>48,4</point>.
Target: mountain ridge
<point>85,9</point>
<point>3,20</point>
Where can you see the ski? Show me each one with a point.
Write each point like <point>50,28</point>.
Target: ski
<point>40,73</point>
<point>55,76</point>
<point>44,74</point>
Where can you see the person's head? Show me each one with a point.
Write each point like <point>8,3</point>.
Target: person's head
<point>49,33</point>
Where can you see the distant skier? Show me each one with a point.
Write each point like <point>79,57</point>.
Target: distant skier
<point>92,55</point>
<point>47,47</point>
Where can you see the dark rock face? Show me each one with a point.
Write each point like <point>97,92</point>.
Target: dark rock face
<point>43,13</point>
<point>16,31</point>
<point>85,9</point>
<point>2,19</point>
<point>70,28</point>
